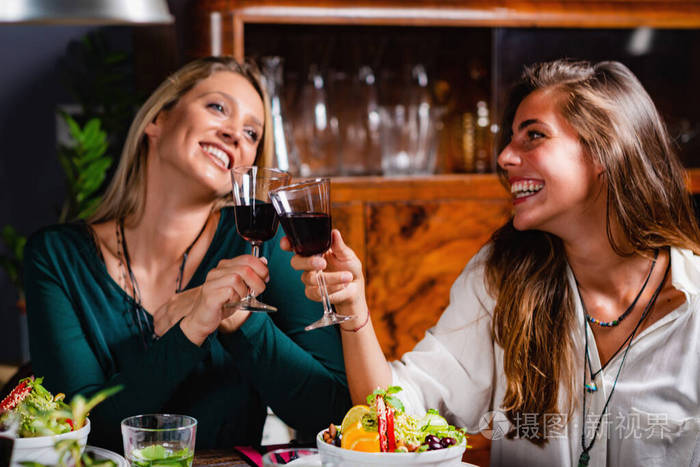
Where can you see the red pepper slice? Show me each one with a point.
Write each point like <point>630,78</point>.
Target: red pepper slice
<point>391,436</point>
<point>16,396</point>
<point>381,424</point>
<point>70,422</point>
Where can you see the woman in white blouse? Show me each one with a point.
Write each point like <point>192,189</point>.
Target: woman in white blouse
<point>574,332</point>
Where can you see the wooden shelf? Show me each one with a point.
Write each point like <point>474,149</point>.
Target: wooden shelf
<point>694,180</point>
<point>426,188</point>
<point>226,18</point>
<point>433,187</point>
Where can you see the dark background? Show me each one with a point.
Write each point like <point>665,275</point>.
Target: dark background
<point>31,180</point>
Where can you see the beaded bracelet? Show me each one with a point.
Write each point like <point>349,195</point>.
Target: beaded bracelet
<point>359,327</point>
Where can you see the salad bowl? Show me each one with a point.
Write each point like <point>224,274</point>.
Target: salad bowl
<point>338,457</point>
<point>41,448</point>
<point>382,433</point>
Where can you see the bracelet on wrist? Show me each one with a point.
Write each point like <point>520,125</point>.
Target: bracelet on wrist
<point>358,327</point>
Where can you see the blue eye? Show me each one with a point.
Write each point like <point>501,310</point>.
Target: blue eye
<point>252,134</point>
<point>216,106</point>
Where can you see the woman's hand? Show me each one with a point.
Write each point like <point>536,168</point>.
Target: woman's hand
<point>202,307</point>
<point>342,270</point>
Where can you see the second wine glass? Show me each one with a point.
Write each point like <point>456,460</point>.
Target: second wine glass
<point>304,210</point>
<point>256,219</point>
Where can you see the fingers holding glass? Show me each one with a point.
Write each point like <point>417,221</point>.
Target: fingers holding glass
<point>256,218</point>
<point>304,211</point>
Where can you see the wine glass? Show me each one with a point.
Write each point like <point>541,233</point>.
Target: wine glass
<point>256,219</point>
<point>304,210</point>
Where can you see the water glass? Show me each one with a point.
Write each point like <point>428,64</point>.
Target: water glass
<point>159,439</point>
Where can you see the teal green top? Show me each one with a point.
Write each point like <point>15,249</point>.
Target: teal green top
<point>84,337</point>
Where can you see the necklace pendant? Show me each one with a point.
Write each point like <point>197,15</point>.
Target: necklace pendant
<point>583,460</point>
<point>591,387</point>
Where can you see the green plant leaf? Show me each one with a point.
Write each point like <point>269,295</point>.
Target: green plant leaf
<point>18,248</point>
<point>92,135</point>
<point>95,152</point>
<point>92,177</point>
<point>73,128</point>
<point>89,207</point>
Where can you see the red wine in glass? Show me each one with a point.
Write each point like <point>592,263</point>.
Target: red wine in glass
<point>305,214</point>
<point>308,232</point>
<point>256,218</point>
<point>257,221</point>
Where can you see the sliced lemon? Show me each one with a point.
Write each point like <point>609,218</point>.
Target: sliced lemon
<point>353,418</point>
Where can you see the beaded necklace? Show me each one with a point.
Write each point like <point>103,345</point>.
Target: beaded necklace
<point>585,457</point>
<point>629,309</point>
<point>144,324</point>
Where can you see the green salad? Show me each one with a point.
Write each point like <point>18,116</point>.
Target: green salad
<point>383,426</point>
<point>27,406</point>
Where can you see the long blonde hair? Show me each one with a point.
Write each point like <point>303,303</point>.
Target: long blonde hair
<point>620,129</point>
<point>126,193</point>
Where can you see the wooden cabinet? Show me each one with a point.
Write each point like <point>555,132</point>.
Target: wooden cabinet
<point>416,234</point>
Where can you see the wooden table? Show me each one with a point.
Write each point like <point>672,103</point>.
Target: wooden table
<point>218,457</point>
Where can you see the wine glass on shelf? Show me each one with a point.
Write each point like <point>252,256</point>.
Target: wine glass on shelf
<point>304,210</point>
<point>256,219</point>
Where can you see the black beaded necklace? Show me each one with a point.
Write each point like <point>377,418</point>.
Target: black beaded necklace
<point>585,457</point>
<point>591,385</point>
<point>628,310</point>
<point>144,324</point>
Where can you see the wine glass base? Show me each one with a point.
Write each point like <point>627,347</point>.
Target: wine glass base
<point>251,304</point>
<point>327,320</point>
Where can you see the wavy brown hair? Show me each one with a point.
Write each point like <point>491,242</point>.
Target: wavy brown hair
<point>647,202</point>
<point>126,193</point>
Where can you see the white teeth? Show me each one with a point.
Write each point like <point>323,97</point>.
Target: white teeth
<point>219,154</point>
<point>524,188</point>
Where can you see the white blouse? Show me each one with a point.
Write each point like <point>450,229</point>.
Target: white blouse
<point>653,418</point>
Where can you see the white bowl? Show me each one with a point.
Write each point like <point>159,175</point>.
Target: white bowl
<point>41,448</point>
<point>337,457</point>
<point>100,454</point>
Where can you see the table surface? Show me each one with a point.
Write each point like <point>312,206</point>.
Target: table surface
<point>218,457</point>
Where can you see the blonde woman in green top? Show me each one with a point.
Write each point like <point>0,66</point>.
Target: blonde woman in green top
<point>135,296</point>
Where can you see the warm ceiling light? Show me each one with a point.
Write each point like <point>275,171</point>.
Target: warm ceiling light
<point>77,12</point>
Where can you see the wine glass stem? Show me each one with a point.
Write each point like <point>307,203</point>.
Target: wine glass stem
<point>324,293</point>
<point>255,251</point>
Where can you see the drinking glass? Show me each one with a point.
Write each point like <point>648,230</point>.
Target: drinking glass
<point>159,439</point>
<point>256,219</point>
<point>304,210</point>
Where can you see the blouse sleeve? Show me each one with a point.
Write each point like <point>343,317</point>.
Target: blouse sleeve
<point>452,368</point>
<point>63,350</point>
<point>300,374</point>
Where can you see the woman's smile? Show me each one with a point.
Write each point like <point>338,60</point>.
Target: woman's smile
<point>218,155</point>
<point>524,188</point>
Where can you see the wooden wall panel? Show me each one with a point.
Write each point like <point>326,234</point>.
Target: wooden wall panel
<point>414,252</point>
<point>349,218</point>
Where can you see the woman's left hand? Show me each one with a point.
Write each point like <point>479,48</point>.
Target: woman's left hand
<point>202,310</point>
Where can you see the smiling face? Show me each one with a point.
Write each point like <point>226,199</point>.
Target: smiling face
<point>555,187</point>
<point>215,126</point>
